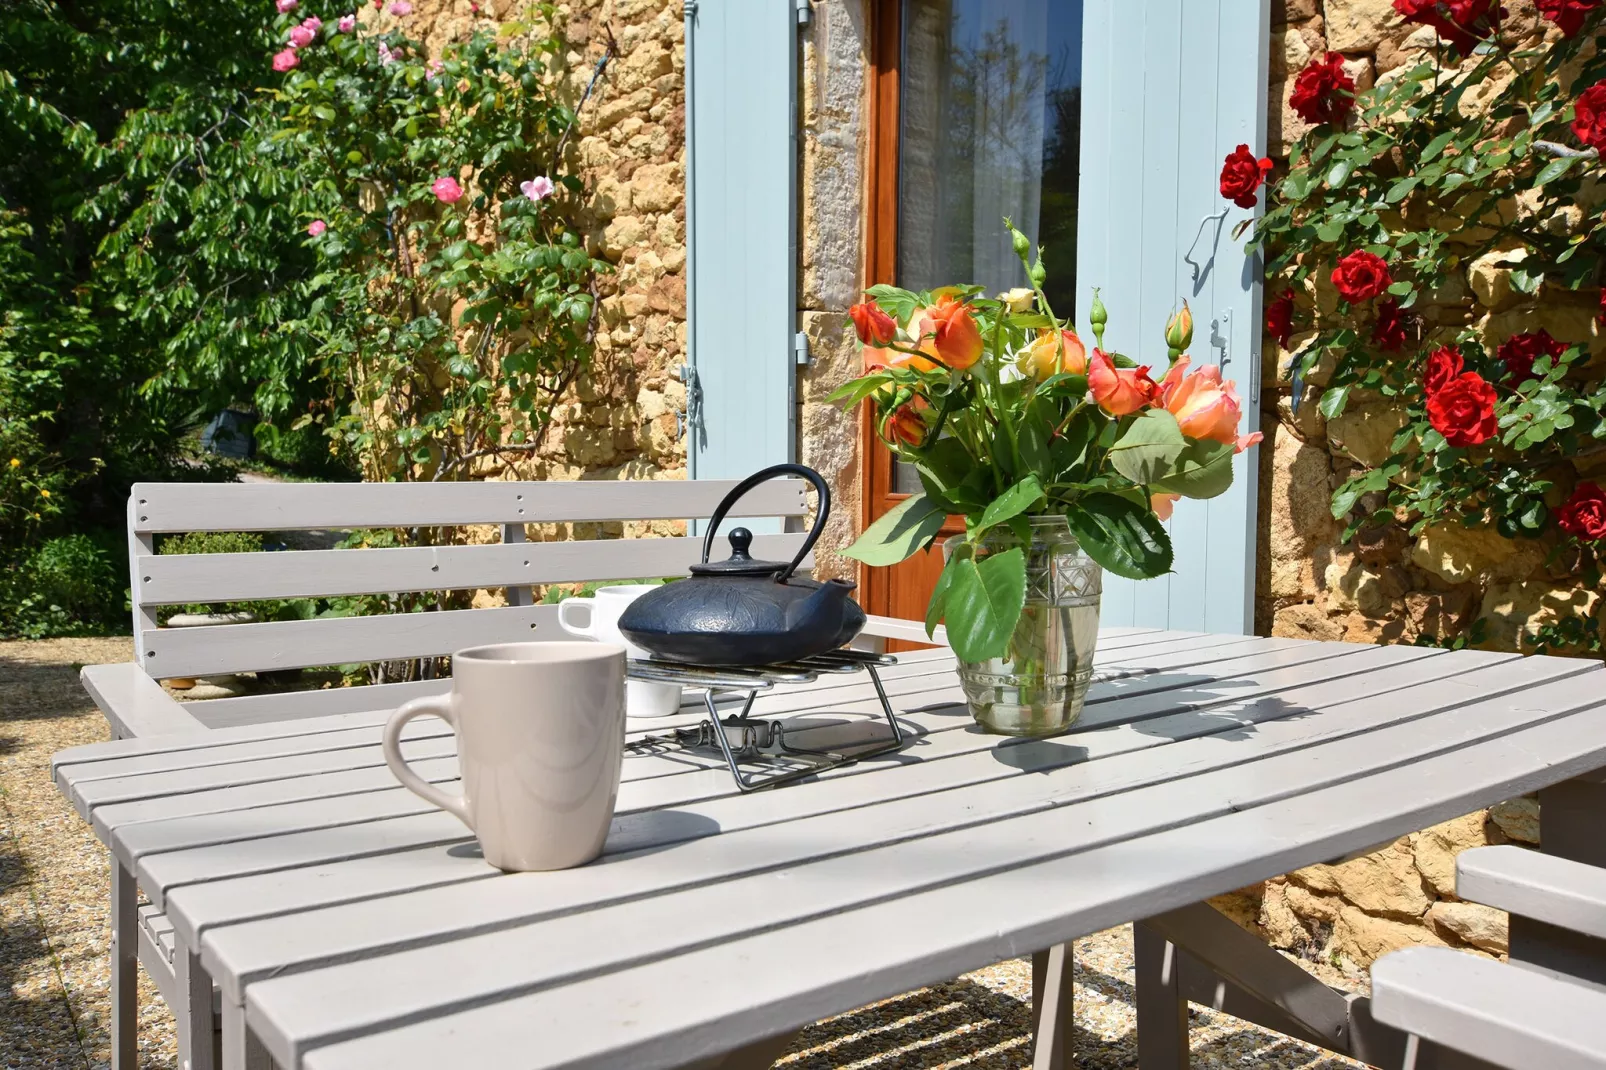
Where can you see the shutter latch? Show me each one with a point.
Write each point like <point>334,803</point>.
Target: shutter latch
<point>692,415</point>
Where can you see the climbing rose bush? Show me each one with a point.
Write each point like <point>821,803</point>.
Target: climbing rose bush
<point>1486,152</point>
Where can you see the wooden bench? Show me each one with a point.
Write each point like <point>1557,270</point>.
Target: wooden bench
<point>136,704</point>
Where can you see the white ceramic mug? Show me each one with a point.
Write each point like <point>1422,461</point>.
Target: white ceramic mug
<point>601,622</point>
<point>540,740</point>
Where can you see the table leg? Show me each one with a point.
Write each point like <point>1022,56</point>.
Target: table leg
<point>197,1023</point>
<point>1053,1006</point>
<point>1162,1008</point>
<point>241,1050</point>
<point>125,967</point>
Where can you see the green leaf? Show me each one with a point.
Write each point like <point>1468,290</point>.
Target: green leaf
<point>899,534</point>
<point>898,303</point>
<point>1203,471</point>
<point>1339,173</point>
<point>1554,169</point>
<point>937,607</point>
<point>1398,191</point>
<point>1013,502</point>
<point>1436,146</point>
<point>1332,402</point>
<point>1400,289</point>
<point>1121,534</point>
<point>1149,447</point>
<point>983,603</point>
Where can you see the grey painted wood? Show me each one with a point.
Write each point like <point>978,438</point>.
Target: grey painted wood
<point>176,579</point>
<point>172,507</point>
<point>1200,766</point>
<point>1162,1008</point>
<point>1516,1018</point>
<point>124,968</point>
<point>1540,886</point>
<point>296,644</point>
<point>135,704</point>
<point>939,932</point>
<point>1053,1008</point>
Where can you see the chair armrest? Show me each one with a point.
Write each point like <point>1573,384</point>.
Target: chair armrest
<point>1509,1016</point>
<point>913,631</point>
<point>1557,891</point>
<point>135,704</point>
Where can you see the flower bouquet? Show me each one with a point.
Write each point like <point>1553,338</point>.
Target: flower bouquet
<point>1063,461</point>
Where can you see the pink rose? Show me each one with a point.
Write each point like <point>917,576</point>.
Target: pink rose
<point>400,8</point>
<point>537,188</point>
<point>446,190</point>
<point>286,60</point>
<point>286,6</point>
<point>386,56</point>
<point>316,227</point>
<point>1204,405</point>
<point>433,68</point>
<point>301,37</point>
<point>313,23</point>
<point>346,24</point>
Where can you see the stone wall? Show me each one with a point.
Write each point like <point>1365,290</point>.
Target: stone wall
<point>1385,586</point>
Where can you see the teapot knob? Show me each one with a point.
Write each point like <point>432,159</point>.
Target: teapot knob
<point>740,540</point>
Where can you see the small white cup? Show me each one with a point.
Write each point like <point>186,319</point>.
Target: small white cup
<point>601,622</point>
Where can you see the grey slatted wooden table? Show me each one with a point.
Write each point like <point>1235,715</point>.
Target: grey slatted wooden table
<point>349,925</point>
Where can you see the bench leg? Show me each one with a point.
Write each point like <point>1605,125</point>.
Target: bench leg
<point>1162,1008</point>
<point>1570,818</point>
<point>1053,1007</point>
<point>195,1020</point>
<point>125,967</point>
<point>241,1050</point>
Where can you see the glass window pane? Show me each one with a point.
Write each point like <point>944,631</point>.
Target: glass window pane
<point>990,97</point>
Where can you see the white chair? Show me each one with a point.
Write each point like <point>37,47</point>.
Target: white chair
<point>1546,1008</point>
<point>135,703</point>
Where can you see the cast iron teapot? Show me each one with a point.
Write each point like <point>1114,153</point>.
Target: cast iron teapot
<point>742,611</point>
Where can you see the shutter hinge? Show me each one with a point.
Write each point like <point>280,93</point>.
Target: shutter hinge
<point>692,414</point>
<point>800,349</point>
<point>804,12</point>
<point>689,8</point>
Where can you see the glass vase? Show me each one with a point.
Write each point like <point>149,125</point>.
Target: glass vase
<point>1037,688</point>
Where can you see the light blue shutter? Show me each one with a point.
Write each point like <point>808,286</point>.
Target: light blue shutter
<point>741,132</point>
<point>1171,87</point>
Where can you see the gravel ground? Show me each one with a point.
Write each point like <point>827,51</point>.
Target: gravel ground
<point>54,938</point>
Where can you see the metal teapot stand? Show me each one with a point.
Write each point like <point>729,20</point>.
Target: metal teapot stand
<point>743,738</point>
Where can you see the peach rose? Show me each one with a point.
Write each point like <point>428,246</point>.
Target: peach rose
<point>1205,407</point>
<point>950,328</point>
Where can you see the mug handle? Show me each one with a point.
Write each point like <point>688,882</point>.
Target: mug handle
<point>590,629</point>
<point>427,705</point>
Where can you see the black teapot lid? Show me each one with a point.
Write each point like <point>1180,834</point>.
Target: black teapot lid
<point>740,562</point>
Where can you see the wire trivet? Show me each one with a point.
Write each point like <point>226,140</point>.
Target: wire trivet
<point>743,737</point>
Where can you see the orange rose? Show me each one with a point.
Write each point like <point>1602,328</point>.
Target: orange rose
<point>950,328</point>
<point>1048,355</point>
<point>874,326</point>
<point>1205,407</point>
<point>1162,504</point>
<point>907,423</point>
<point>876,358</point>
<point>1119,391</point>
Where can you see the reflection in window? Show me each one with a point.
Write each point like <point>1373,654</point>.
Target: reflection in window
<point>990,99</point>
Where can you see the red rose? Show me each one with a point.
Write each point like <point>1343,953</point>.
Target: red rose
<point>1242,175</point>
<point>1444,364</point>
<point>1323,93</point>
<point>1589,117</point>
<point>1584,514</point>
<point>1389,333</point>
<point>1463,410</point>
<point>1601,315</point>
<point>1361,275</point>
<point>1569,15</point>
<point>874,327</point>
<point>1280,316</point>
<point>1519,352</point>
<point>1427,13</point>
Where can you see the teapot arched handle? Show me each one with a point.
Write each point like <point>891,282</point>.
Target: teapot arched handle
<point>763,476</point>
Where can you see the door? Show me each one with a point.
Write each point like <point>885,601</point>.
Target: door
<point>1029,108</point>
<point>1172,87</point>
<point>975,115</point>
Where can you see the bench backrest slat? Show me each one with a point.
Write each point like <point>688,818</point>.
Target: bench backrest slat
<point>179,579</point>
<point>171,507</point>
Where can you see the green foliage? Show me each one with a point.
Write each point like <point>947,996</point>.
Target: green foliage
<point>1442,164</point>
<point>71,585</point>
